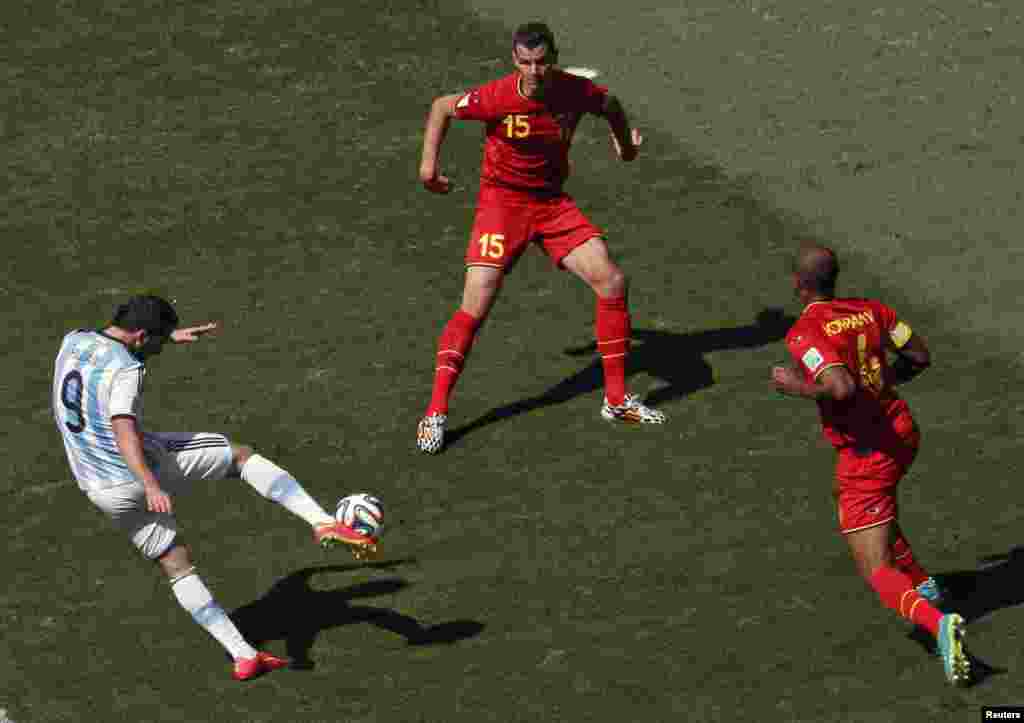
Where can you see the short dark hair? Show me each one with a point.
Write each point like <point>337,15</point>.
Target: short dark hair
<point>818,268</point>
<point>533,35</point>
<point>152,313</point>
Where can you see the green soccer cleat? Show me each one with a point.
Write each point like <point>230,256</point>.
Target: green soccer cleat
<point>930,591</point>
<point>952,629</point>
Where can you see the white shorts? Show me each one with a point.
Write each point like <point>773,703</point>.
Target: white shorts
<point>178,459</point>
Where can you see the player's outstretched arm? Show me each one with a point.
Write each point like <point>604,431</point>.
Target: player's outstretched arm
<point>625,140</point>
<point>192,333</point>
<point>129,441</point>
<point>438,121</point>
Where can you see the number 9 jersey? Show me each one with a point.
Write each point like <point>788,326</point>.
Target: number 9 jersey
<point>96,378</point>
<point>854,333</point>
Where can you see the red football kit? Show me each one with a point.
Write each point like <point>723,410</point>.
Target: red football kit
<point>874,432</point>
<point>525,163</point>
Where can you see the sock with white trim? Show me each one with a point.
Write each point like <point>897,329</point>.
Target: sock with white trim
<point>193,595</point>
<point>612,328</point>
<point>278,486</point>
<point>897,593</point>
<point>453,347</point>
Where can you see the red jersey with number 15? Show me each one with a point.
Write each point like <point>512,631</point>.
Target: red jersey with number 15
<point>527,140</point>
<point>852,333</point>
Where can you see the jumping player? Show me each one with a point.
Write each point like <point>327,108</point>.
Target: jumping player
<point>132,475</point>
<point>530,117</point>
<point>841,347</point>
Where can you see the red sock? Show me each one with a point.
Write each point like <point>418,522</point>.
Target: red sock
<point>452,349</point>
<point>898,593</point>
<point>612,328</point>
<point>905,562</point>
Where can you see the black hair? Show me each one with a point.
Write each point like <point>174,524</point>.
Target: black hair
<point>152,313</point>
<point>533,35</point>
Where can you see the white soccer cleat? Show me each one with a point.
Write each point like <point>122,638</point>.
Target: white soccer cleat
<point>631,411</point>
<point>430,433</point>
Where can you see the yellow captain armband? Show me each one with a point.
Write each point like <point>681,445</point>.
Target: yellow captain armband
<point>900,334</point>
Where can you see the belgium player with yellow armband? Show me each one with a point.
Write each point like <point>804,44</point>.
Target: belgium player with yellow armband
<point>841,346</point>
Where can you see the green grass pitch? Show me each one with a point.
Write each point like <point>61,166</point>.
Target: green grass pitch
<point>256,162</point>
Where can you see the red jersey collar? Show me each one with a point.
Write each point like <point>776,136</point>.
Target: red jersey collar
<point>519,88</point>
<point>820,301</point>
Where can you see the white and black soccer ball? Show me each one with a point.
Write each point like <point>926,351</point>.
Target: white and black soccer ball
<point>362,512</point>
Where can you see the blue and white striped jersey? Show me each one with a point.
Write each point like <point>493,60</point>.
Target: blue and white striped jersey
<point>95,378</point>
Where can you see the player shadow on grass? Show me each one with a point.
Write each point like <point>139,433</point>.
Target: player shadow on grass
<point>998,583</point>
<point>295,612</point>
<point>676,359</point>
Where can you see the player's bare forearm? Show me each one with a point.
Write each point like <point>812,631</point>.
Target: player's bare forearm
<point>836,384</point>
<point>624,137</point>
<point>807,390</point>
<point>129,441</point>
<point>438,122</point>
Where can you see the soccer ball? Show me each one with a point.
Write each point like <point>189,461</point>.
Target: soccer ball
<point>363,512</point>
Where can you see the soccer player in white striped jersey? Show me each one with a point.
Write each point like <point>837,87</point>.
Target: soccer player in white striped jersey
<point>133,475</point>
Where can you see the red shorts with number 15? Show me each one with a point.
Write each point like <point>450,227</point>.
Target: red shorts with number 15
<point>507,221</point>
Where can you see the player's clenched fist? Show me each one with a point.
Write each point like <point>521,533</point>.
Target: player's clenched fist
<point>157,500</point>
<point>630,153</point>
<point>785,379</point>
<point>438,184</point>
<point>434,182</point>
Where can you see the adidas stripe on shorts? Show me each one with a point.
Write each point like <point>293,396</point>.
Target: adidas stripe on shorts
<point>178,459</point>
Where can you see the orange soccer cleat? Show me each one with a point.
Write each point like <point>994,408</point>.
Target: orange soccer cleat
<point>249,668</point>
<point>332,534</point>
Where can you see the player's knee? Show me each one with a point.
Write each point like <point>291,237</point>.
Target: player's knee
<point>868,568</point>
<point>871,561</point>
<point>241,454</point>
<point>611,284</point>
<point>620,282</point>
<point>176,562</point>
<point>480,293</point>
<point>485,285</point>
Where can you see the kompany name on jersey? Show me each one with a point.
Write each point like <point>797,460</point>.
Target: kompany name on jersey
<point>854,321</point>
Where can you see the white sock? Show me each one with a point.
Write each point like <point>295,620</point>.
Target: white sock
<point>198,602</point>
<point>278,486</point>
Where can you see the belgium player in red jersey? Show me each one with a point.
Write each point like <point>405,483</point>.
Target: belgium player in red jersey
<point>841,347</point>
<point>530,117</point>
